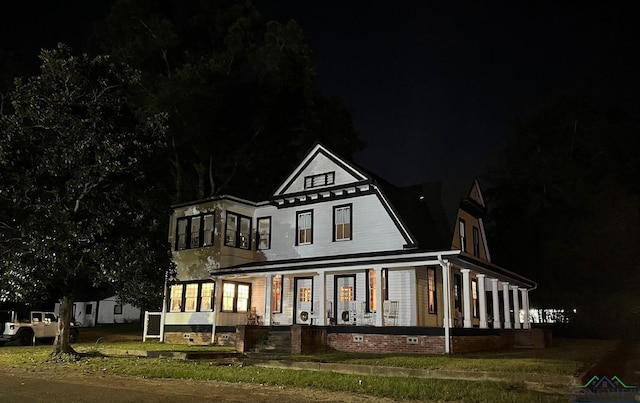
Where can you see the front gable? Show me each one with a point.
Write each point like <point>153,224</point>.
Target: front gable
<point>320,170</point>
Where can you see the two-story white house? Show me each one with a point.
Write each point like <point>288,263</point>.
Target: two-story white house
<point>374,267</point>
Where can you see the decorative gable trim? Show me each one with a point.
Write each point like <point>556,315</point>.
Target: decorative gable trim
<point>316,150</point>
<point>321,195</point>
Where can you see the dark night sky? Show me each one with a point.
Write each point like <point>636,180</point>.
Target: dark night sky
<point>432,85</point>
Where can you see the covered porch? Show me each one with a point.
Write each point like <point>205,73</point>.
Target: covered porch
<point>394,293</point>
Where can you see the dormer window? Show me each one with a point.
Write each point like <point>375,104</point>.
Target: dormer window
<point>314,181</point>
<point>194,231</point>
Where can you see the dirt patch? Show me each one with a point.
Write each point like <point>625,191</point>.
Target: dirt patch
<point>19,385</point>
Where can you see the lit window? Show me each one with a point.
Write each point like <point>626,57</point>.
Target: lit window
<point>305,227</point>
<point>276,294</point>
<point>206,297</point>
<point>190,297</point>
<point>372,285</point>
<point>346,293</point>
<point>372,290</point>
<point>228,296</point>
<point>238,230</point>
<point>242,304</point>
<point>342,223</point>
<point>175,304</point>
<point>264,233</point>
<point>235,297</point>
<point>431,280</point>
<point>305,294</point>
<point>474,297</point>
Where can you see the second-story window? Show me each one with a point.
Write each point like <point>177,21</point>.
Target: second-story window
<point>264,233</point>
<point>476,242</point>
<point>194,231</point>
<point>304,224</point>
<point>238,230</point>
<point>463,235</point>
<point>342,223</point>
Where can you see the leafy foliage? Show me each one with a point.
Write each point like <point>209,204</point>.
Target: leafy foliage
<point>78,208</point>
<point>240,92</point>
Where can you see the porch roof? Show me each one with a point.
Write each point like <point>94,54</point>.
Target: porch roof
<point>387,259</point>
<point>398,258</point>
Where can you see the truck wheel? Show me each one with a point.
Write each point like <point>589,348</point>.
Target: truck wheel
<point>27,339</point>
<point>73,336</point>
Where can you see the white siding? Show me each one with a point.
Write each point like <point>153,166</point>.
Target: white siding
<point>400,286</point>
<point>189,318</point>
<point>372,229</point>
<point>320,165</point>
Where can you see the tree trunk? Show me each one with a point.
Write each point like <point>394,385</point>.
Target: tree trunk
<point>201,172</point>
<point>61,344</point>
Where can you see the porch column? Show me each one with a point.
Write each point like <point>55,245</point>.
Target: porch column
<point>268,297</point>
<point>496,303</point>
<point>516,307</point>
<point>466,301</point>
<point>446,302</point>
<point>379,314</point>
<point>482,296</point>
<point>525,307</point>
<point>505,300</point>
<point>321,315</point>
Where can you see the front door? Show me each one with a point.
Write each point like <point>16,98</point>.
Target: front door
<point>345,287</point>
<point>304,300</point>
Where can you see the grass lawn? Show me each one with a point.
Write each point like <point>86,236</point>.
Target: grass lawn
<point>567,357</point>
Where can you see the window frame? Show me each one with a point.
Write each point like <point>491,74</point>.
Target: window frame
<point>274,296</point>
<point>335,223</point>
<point>235,298</point>
<point>475,302</point>
<point>476,241</point>
<point>371,288</point>
<point>198,296</point>
<point>432,291</point>
<point>298,214</point>
<point>237,231</point>
<point>326,179</point>
<point>188,234</point>
<point>462,233</point>
<point>117,309</point>
<point>259,235</point>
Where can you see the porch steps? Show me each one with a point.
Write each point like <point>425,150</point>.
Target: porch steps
<point>276,342</point>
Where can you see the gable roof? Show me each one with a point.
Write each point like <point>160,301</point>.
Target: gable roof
<point>318,161</point>
<point>430,210</point>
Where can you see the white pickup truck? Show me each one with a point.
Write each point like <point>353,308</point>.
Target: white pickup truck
<point>38,325</point>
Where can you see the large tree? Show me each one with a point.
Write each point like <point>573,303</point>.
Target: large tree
<point>79,204</point>
<point>240,91</point>
<point>566,200</point>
